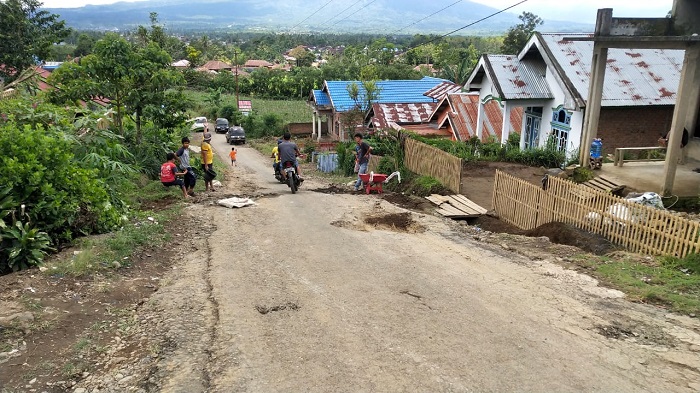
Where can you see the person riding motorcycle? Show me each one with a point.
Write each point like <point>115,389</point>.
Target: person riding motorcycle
<point>288,152</point>
<point>276,155</point>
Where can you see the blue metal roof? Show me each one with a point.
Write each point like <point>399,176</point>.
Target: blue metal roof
<point>321,98</point>
<point>390,91</point>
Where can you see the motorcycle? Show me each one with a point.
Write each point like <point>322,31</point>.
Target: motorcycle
<point>278,174</point>
<point>291,175</point>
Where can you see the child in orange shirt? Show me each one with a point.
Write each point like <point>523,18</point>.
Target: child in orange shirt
<point>232,154</point>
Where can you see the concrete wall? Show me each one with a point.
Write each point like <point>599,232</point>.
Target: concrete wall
<point>687,16</point>
<point>305,128</point>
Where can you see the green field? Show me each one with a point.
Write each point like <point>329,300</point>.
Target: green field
<point>291,111</point>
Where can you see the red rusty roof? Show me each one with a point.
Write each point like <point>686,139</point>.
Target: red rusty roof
<point>257,64</point>
<point>463,113</point>
<point>438,92</point>
<point>401,114</point>
<point>216,65</point>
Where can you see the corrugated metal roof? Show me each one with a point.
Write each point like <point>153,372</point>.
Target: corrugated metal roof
<point>321,98</point>
<point>390,91</point>
<point>464,111</point>
<point>215,65</point>
<point>438,92</point>
<point>632,77</point>
<point>426,129</point>
<point>518,80</point>
<point>401,113</point>
<point>257,63</point>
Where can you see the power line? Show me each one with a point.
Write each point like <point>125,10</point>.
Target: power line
<point>464,27</point>
<point>420,20</point>
<point>361,8</point>
<point>310,15</point>
<point>338,14</point>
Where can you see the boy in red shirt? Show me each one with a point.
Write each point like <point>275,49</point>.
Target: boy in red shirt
<point>168,173</point>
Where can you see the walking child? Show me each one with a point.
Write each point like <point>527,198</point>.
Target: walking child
<point>232,154</point>
<point>183,154</point>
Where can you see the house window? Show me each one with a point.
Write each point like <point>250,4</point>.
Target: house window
<point>561,125</point>
<point>533,119</point>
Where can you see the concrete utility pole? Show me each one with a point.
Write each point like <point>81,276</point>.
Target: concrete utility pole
<point>680,32</point>
<point>235,60</point>
<point>595,87</point>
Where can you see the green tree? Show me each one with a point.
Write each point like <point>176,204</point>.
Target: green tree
<point>84,46</point>
<point>128,78</point>
<point>517,36</point>
<point>27,34</point>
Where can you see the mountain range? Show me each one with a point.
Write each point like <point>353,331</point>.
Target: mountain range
<point>300,16</point>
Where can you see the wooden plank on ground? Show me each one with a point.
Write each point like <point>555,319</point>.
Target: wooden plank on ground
<point>456,206</point>
<point>603,184</point>
<point>470,203</point>
<point>451,214</point>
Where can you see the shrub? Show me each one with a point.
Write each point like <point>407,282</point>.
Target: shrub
<point>21,245</point>
<point>426,185</point>
<point>346,158</point>
<point>232,114</point>
<point>61,197</point>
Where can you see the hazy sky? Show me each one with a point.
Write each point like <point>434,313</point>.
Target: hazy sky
<point>571,10</point>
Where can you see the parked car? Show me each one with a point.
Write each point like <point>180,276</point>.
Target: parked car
<point>200,124</point>
<point>235,135</point>
<point>221,125</point>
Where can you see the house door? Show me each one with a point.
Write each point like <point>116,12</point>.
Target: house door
<point>533,119</point>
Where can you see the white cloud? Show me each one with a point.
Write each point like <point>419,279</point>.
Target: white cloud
<point>78,3</point>
<point>584,10</point>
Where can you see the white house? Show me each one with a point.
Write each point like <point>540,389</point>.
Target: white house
<point>549,79</point>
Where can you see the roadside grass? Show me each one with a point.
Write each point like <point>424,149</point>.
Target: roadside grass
<point>291,111</point>
<point>114,250</point>
<point>666,281</point>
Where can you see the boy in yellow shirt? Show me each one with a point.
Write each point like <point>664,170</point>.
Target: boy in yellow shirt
<point>208,162</point>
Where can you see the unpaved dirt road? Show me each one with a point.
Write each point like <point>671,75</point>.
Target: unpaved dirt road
<point>319,292</point>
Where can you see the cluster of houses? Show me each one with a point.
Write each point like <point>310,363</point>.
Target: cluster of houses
<point>540,94</point>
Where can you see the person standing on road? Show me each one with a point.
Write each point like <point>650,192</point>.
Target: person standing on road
<point>208,163</point>
<point>183,155</point>
<point>288,151</point>
<point>363,153</point>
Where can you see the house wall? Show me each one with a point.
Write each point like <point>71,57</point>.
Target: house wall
<point>633,126</point>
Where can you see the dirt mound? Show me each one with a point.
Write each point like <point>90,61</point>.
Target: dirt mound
<point>407,201</point>
<point>333,189</point>
<point>395,221</point>
<point>561,233</point>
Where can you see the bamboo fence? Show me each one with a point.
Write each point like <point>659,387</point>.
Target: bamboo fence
<point>427,160</point>
<point>636,227</point>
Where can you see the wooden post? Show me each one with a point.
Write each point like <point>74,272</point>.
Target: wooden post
<point>690,76</point>
<point>595,86</point>
<point>320,129</point>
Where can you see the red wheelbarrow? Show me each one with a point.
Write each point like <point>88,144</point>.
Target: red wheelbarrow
<point>373,181</point>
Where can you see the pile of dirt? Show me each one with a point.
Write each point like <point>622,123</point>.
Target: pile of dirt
<point>561,233</point>
<point>557,232</point>
<point>333,189</point>
<point>408,202</point>
<point>395,221</point>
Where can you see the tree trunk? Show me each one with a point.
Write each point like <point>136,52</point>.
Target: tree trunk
<point>138,124</point>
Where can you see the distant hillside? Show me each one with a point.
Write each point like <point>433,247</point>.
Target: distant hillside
<point>380,16</point>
